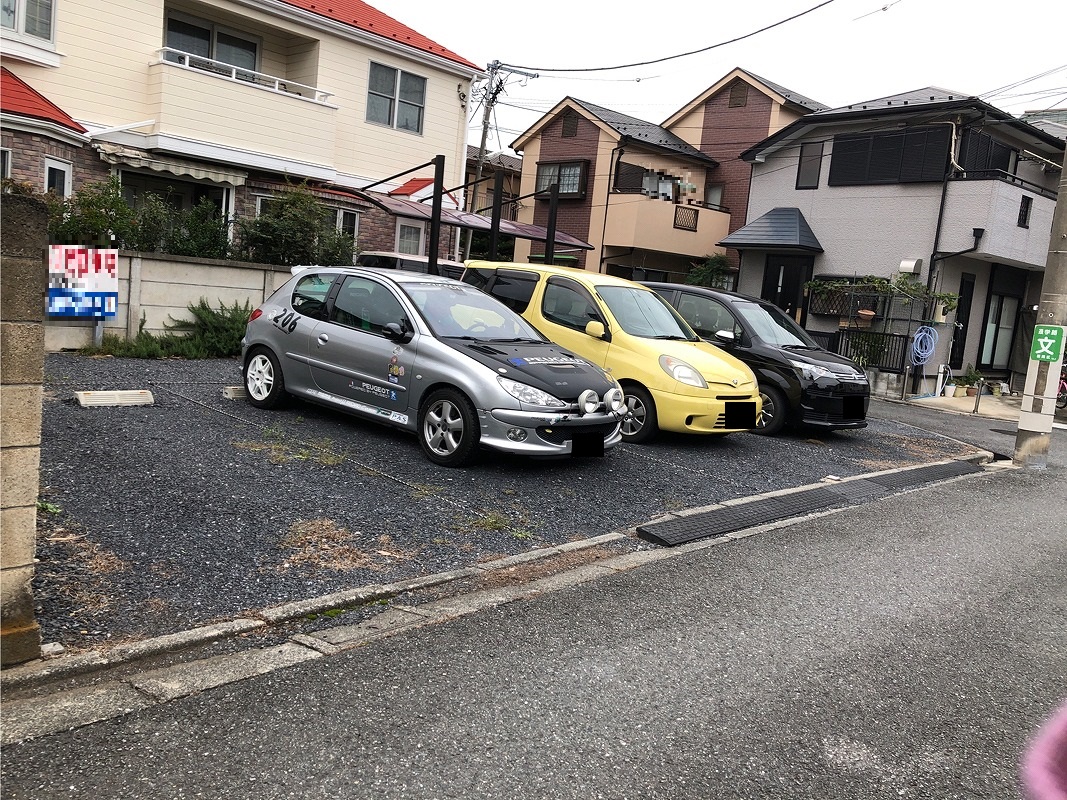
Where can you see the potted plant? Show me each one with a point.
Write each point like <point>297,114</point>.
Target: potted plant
<point>950,387</point>
<point>968,381</point>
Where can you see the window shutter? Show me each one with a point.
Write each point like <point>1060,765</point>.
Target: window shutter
<point>628,177</point>
<point>848,160</point>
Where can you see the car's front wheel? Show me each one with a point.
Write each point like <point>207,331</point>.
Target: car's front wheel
<point>775,411</point>
<point>448,429</point>
<point>640,423</point>
<point>263,379</point>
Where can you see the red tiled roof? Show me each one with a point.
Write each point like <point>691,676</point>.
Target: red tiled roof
<point>16,97</point>
<point>369,19</point>
<point>413,186</point>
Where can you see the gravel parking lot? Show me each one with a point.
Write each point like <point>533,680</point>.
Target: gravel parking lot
<point>158,518</point>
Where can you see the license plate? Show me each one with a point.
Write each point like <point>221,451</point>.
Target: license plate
<point>741,415</point>
<point>586,445</point>
<point>852,407</point>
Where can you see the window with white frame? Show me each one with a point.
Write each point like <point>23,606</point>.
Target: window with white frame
<point>202,38</point>
<point>396,98</point>
<point>348,222</point>
<point>34,18</point>
<point>409,237</point>
<point>57,177</point>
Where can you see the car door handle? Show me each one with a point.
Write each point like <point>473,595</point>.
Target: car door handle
<point>323,338</point>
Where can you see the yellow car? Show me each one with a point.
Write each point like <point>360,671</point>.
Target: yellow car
<point>673,380</point>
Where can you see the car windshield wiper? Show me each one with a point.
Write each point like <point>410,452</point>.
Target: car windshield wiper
<point>674,337</point>
<point>799,347</point>
<point>520,340</point>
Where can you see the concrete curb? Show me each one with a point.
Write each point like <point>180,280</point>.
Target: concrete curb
<point>69,666</point>
<point>38,716</point>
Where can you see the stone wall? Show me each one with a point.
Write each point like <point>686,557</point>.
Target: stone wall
<point>22,289</point>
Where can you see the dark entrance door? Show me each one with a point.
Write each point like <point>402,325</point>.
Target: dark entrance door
<point>783,284</point>
<point>963,313</point>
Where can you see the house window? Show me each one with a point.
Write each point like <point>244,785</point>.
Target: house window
<point>910,156</point>
<point>57,176</point>
<point>810,165</point>
<point>201,38</point>
<point>738,94</point>
<point>999,331</point>
<point>1025,205</point>
<point>569,175</point>
<point>29,17</point>
<point>396,98</point>
<point>570,124</point>
<point>713,195</point>
<point>409,238</point>
<point>5,163</point>
<point>348,222</point>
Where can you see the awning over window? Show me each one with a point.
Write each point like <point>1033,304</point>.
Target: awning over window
<point>779,229</point>
<point>142,159</point>
<point>466,219</point>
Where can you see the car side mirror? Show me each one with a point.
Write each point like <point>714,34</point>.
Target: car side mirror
<point>596,329</point>
<point>726,337</point>
<point>396,333</point>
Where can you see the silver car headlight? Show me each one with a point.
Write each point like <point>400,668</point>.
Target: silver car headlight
<point>528,394</point>
<point>614,399</point>
<point>682,372</point>
<point>811,372</point>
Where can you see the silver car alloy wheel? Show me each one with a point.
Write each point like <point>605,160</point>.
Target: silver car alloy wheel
<point>259,376</point>
<point>634,420</point>
<point>442,427</point>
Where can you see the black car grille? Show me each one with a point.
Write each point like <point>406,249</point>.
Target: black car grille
<point>561,434</point>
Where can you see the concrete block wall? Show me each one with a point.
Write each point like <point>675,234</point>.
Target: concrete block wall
<point>22,289</point>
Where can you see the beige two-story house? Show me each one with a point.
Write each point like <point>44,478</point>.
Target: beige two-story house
<point>232,100</point>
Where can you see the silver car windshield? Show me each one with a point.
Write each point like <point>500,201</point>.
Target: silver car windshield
<point>775,327</point>
<point>645,314</point>
<point>465,312</point>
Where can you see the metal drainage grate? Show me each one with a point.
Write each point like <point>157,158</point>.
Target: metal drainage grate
<point>923,475</point>
<point>726,519</point>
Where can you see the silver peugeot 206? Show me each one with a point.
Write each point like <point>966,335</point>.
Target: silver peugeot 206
<point>431,355</point>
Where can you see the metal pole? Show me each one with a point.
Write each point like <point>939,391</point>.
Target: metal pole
<point>550,231</point>
<point>435,213</point>
<point>498,206</point>
<point>492,89</point>
<point>1039,392</point>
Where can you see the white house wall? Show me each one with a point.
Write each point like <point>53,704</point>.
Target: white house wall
<point>864,230</point>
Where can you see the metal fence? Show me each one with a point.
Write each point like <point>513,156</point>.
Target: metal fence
<point>887,352</point>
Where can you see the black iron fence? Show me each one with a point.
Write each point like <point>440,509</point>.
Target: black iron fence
<point>887,352</point>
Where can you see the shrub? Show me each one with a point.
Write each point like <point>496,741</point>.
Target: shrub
<point>201,232</point>
<point>294,228</point>
<point>96,215</point>
<point>212,333</point>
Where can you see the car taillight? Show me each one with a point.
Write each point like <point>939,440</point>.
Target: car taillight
<point>256,315</point>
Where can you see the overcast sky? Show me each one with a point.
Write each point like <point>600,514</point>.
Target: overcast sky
<point>1013,54</point>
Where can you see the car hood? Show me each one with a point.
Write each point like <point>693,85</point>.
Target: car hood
<point>544,366</point>
<point>715,364</point>
<point>837,364</point>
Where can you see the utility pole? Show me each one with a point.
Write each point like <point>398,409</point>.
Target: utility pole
<point>493,87</point>
<point>1046,354</point>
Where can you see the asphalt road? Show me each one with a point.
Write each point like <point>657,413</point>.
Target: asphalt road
<point>906,648</point>
<point>159,518</point>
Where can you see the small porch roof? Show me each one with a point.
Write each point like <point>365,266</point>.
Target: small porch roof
<point>778,229</point>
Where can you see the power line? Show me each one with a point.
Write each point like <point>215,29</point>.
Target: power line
<point>679,55</point>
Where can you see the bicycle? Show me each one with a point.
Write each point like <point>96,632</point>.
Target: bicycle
<point>1061,392</point>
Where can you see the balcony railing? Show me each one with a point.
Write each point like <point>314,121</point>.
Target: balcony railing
<point>226,71</point>
<point>1007,177</point>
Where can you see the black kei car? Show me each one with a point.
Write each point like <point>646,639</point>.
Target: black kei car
<point>800,382</point>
